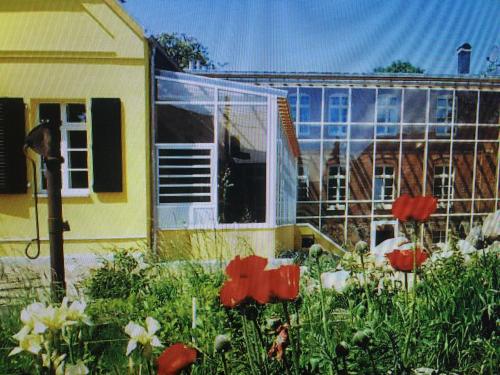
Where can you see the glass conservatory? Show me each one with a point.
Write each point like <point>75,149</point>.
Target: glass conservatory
<point>225,155</point>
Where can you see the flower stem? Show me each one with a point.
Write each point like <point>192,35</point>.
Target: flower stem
<point>248,345</point>
<point>295,358</point>
<point>365,282</point>
<point>261,352</point>
<point>322,303</point>
<point>224,363</point>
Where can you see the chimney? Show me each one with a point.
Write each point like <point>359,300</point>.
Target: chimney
<point>463,61</point>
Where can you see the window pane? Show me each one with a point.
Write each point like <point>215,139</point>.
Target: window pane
<point>334,228</point>
<point>334,172</point>
<point>363,105</point>
<point>336,105</point>
<point>486,170</point>
<point>310,104</point>
<point>75,113</point>
<point>441,106</point>
<point>412,166</point>
<point>306,131</point>
<point>335,131</point>
<point>466,107</point>
<point>78,179</point>
<point>414,132</point>
<point>489,133</point>
<point>242,164</point>
<point>388,105</point>
<point>231,96</point>
<point>489,108</point>
<point>463,165</point>
<point>185,123</point>
<point>415,105</point>
<point>308,171</point>
<point>181,92</point>
<point>77,139</point>
<point>292,100</point>
<point>361,170</point>
<point>77,159</point>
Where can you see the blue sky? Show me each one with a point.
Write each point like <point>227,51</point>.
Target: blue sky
<point>351,36</point>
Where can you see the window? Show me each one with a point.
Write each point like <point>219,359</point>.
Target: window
<point>444,108</point>
<point>388,108</point>
<point>336,131</point>
<point>438,236</point>
<point>303,183</point>
<point>292,100</point>
<point>304,131</point>
<point>305,107</point>
<point>336,183</point>
<point>384,183</point>
<point>337,107</point>
<point>73,146</point>
<point>443,182</point>
<point>387,130</point>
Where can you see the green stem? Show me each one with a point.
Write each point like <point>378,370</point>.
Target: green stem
<point>365,284</point>
<point>224,364</point>
<point>322,303</point>
<point>262,352</point>
<point>248,345</point>
<point>374,368</point>
<point>295,358</point>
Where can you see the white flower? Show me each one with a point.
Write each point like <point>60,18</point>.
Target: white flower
<point>144,336</point>
<point>53,318</point>
<point>78,369</point>
<point>75,312</point>
<point>30,316</point>
<point>336,280</point>
<point>27,342</point>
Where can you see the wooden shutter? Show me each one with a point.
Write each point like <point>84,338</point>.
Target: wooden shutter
<point>12,159</point>
<point>107,145</point>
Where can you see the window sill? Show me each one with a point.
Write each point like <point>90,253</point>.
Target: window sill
<point>68,194</point>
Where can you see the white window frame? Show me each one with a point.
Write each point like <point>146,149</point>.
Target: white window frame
<point>384,176</point>
<point>303,181</point>
<point>339,108</point>
<point>303,106</point>
<point>446,178</point>
<point>447,108</point>
<point>386,108</point>
<point>66,127</point>
<point>336,181</point>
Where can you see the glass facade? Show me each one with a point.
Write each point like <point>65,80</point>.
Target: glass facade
<point>362,147</point>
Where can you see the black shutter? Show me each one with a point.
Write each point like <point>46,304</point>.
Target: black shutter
<point>107,145</point>
<point>12,159</point>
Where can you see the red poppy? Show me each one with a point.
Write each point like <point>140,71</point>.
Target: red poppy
<point>402,207</point>
<point>285,282</point>
<point>423,207</point>
<point>176,358</point>
<point>248,280</point>
<point>402,260</point>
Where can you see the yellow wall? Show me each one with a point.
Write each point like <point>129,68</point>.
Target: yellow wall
<point>62,50</point>
<point>224,243</point>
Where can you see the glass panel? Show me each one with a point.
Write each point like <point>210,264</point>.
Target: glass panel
<point>414,132</point>
<point>335,132</point>
<point>463,165</point>
<point>459,226</point>
<point>358,229</point>
<point>334,174</point>
<point>77,159</point>
<point>185,123</point>
<point>307,209</point>
<point>460,207</point>
<point>439,176</point>
<point>440,131</point>
<point>306,131</point>
<point>441,106</point>
<point>488,132</point>
<point>489,108</point>
<point>78,180</point>
<point>362,131</point>
<point>75,113</point>
<point>486,170</point>
<point>388,131</point>
<point>363,105</point>
<point>334,228</point>
<point>292,100</point>
<point>232,96</point>
<point>434,232</point>
<point>182,92</point>
<point>310,104</point>
<point>466,106</point>
<point>465,132</point>
<point>484,206</point>
<point>415,104</point>
<point>77,139</point>
<point>412,167</point>
<point>386,171</point>
<point>364,208</point>
<point>336,105</point>
<point>361,170</point>
<point>308,171</point>
<point>388,105</point>
<point>242,164</point>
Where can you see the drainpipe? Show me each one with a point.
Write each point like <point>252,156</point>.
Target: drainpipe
<point>154,163</point>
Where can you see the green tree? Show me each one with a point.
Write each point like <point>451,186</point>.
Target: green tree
<point>399,66</point>
<point>183,48</point>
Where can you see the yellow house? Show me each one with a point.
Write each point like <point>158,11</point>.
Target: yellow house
<point>151,155</point>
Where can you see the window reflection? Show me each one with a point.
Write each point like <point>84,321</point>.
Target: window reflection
<point>310,104</point>
<point>415,105</point>
<point>363,105</point>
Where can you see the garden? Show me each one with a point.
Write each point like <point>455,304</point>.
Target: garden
<point>405,311</point>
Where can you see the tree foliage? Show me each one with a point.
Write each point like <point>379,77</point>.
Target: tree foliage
<point>399,66</point>
<point>183,48</point>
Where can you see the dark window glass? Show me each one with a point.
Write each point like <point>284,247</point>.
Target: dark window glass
<point>78,179</point>
<point>489,108</point>
<point>242,164</point>
<point>77,159</point>
<point>361,170</point>
<point>309,104</point>
<point>75,113</point>
<point>185,123</point>
<point>466,106</point>
<point>77,139</point>
<point>363,105</point>
<point>415,106</point>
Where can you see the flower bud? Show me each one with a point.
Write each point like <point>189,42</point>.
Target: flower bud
<point>361,247</point>
<point>342,349</point>
<point>315,251</point>
<point>222,343</point>
<point>361,339</point>
<point>272,324</point>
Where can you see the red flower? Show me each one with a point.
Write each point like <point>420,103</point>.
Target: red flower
<point>248,280</point>
<point>285,282</point>
<point>423,207</point>
<point>176,358</point>
<point>402,207</point>
<point>402,260</point>
<point>419,208</point>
